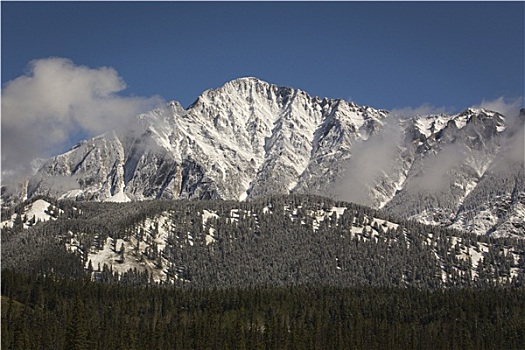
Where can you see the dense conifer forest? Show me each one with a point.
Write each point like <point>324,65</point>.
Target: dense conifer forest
<point>282,272</point>
<point>49,312</point>
<point>275,241</point>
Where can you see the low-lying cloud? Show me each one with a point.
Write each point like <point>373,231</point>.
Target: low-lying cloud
<point>435,177</point>
<point>373,159</point>
<point>376,157</point>
<point>56,100</point>
<point>370,160</point>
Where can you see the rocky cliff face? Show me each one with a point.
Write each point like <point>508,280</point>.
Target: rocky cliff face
<point>92,170</point>
<point>463,168</point>
<point>250,138</point>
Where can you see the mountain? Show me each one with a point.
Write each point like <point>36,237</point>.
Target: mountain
<point>248,139</point>
<point>464,171</point>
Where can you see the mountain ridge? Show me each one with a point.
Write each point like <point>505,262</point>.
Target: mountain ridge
<point>249,138</point>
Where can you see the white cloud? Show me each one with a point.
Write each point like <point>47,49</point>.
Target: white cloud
<point>424,109</point>
<point>55,100</point>
<point>378,155</point>
<point>507,107</point>
<point>436,168</point>
<point>370,160</point>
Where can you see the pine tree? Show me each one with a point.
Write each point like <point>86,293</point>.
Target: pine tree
<point>122,252</point>
<point>76,329</point>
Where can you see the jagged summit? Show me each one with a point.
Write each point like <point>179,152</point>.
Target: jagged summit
<point>238,85</point>
<point>247,80</point>
<point>249,138</point>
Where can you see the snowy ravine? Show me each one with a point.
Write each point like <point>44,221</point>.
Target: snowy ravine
<point>249,138</point>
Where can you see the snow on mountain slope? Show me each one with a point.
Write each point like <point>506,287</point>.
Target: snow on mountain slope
<point>455,176</point>
<point>156,235</point>
<point>250,138</point>
<point>93,170</point>
<point>247,138</point>
<point>38,211</point>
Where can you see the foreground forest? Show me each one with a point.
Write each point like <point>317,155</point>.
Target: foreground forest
<point>40,312</point>
<point>283,272</point>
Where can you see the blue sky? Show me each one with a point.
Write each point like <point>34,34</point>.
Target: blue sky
<point>387,55</point>
<point>94,64</point>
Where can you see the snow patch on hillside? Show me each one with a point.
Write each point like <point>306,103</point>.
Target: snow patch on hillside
<point>38,211</point>
<point>135,252</point>
<point>119,197</point>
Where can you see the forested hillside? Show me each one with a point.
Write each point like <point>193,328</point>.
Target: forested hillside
<point>273,241</point>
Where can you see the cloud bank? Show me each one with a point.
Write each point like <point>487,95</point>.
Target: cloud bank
<point>55,101</point>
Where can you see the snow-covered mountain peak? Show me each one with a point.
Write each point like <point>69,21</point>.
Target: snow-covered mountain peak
<point>110,135</point>
<point>249,138</point>
<point>475,114</point>
<point>176,106</point>
<point>246,82</point>
<point>434,123</point>
<point>236,86</point>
